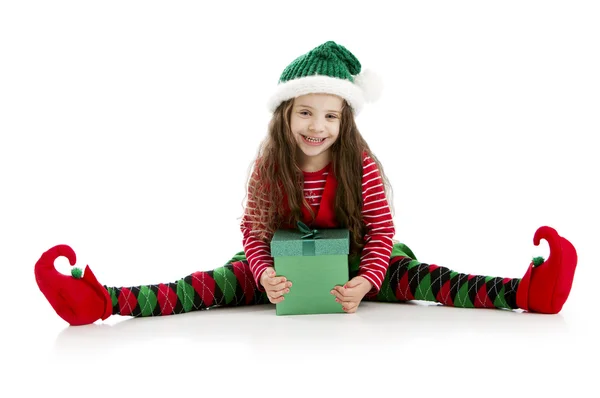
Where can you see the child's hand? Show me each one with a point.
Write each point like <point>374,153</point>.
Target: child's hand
<point>351,294</point>
<point>275,286</point>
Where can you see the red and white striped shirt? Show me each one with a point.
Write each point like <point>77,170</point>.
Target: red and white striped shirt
<point>375,255</point>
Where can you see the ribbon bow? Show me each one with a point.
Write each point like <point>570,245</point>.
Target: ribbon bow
<point>308,233</point>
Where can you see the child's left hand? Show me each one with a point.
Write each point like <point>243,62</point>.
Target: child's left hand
<point>351,294</point>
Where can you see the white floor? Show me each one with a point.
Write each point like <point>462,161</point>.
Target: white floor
<point>414,348</point>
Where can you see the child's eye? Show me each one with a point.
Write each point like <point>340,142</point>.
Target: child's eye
<point>304,113</point>
<point>332,116</point>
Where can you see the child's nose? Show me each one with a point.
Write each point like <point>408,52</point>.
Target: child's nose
<point>316,126</point>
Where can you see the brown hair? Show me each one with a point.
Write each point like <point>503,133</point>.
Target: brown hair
<point>276,171</point>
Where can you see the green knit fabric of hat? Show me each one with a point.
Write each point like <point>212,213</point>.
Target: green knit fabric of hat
<point>328,59</point>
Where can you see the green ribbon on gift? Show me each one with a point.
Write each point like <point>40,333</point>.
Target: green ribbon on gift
<point>309,233</point>
<point>308,246</point>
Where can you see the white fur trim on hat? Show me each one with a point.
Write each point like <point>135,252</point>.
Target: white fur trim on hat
<point>318,84</point>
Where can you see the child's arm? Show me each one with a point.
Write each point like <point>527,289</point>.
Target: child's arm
<point>257,250</point>
<point>258,254</point>
<point>375,256</point>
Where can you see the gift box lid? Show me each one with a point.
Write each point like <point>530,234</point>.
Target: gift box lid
<point>290,242</point>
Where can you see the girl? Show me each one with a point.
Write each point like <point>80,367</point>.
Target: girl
<point>315,167</point>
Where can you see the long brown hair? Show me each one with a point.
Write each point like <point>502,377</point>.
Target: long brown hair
<point>276,171</point>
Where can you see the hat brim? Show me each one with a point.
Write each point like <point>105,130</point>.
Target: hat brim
<point>318,84</point>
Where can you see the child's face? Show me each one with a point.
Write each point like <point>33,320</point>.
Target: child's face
<point>315,124</point>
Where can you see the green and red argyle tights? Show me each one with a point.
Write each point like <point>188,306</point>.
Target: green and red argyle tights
<point>408,279</point>
<point>233,285</point>
<point>229,285</point>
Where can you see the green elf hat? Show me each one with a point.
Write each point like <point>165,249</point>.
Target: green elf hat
<point>331,69</point>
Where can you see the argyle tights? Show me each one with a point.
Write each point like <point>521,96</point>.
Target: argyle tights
<point>233,285</point>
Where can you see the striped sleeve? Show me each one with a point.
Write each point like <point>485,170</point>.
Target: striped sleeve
<point>377,216</point>
<point>257,250</point>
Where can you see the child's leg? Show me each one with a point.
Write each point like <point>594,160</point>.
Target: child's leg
<point>80,299</point>
<point>544,288</point>
<point>408,279</point>
<point>229,285</point>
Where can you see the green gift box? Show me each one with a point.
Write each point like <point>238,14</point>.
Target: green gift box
<point>315,261</point>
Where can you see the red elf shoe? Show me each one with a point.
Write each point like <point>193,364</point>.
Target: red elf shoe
<point>547,284</point>
<point>78,300</point>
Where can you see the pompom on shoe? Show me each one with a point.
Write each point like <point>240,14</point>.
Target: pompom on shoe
<point>79,300</point>
<point>547,284</point>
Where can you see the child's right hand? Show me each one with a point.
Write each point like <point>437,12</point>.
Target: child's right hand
<point>275,286</point>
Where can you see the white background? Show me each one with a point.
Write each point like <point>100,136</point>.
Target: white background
<point>127,129</point>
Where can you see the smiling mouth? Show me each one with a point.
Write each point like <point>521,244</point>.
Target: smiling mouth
<point>313,140</point>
